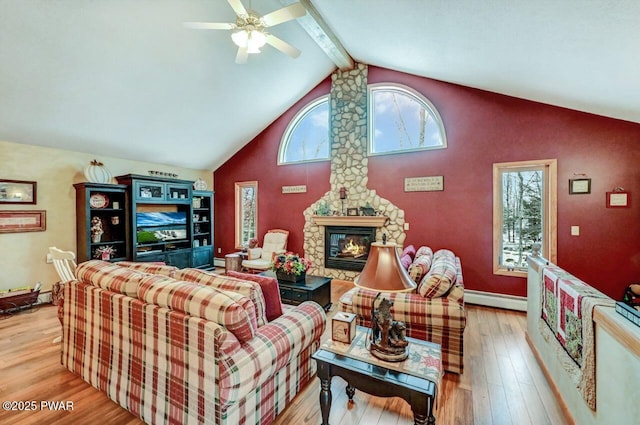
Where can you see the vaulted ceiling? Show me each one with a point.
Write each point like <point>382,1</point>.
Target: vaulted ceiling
<point>127,79</point>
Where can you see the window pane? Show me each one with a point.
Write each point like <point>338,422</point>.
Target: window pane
<point>522,216</point>
<point>307,136</point>
<point>403,121</point>
<point>246,212</point>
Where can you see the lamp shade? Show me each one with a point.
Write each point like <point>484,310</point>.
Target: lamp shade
<point>383,271</point>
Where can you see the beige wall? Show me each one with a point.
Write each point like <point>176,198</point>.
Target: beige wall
<point>23,255</point>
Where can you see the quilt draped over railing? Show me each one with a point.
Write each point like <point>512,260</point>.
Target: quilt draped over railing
<point>567,317</point>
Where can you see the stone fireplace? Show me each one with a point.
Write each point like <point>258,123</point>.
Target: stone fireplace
<point>349,169</point>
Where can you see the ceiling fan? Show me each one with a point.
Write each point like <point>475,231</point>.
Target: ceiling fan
<point>249,29</point>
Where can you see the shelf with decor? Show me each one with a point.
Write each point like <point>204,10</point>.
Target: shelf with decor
<point>169,221</point>
<point>202,228</point>
<point>101,221</point>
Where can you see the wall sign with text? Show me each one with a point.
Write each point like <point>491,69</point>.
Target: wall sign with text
<point>301,188</point>
<point>424,184</point>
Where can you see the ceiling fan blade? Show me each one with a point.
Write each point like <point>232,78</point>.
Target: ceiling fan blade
<point>210,25</point>
<point>285,14</point>
<point>241,57</point>
<point>283,46</point>
<point>237,7</point>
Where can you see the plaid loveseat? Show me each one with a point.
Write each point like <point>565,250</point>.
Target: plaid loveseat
<point>438,319</point>
<point>178,352</point>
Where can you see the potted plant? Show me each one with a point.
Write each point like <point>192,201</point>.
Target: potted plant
<point>290,267</point>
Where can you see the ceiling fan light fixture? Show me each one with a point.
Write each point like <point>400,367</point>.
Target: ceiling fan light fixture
<point>257,39</point>
<point>249,30</point>
<point>240,38</point>
<point>252,40</point>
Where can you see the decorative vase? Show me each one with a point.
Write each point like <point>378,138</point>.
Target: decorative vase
<point>290,278</point>
<point>200,184</point>
<point>96,172</point>
<point>96,237</point>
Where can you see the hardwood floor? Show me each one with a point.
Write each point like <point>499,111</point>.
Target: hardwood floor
<point>502,383</point>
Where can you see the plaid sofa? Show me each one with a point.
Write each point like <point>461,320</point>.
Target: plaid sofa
<point>437,319</point>
<point>178,352</point>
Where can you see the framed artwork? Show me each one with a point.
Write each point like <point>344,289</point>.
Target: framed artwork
<point>579,186</point>
<point>619,199</point>
<point>352,211</point>
<point>23,221</point>
<point>17,192</point>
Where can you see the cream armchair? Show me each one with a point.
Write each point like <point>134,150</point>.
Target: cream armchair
<point>274,243</point>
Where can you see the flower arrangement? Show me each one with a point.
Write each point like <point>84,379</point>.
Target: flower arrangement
<point>253,242</point>
<point>290,263</point>
<point>104,252</point>
<point>96,229</point>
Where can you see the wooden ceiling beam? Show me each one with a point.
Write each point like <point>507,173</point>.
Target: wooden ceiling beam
<point>315,25</point>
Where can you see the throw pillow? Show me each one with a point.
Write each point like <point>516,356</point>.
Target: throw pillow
<point>270,291</point>
<point>405,260</point>
<point>440,278</point>
<point>424,250</point>
<point>421,264</point>
<point>444,253</point>
<point>225,284</point>
<point>410,251</point>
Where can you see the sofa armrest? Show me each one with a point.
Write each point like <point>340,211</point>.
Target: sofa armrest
<point>274,346</point>
<point>413,309</point>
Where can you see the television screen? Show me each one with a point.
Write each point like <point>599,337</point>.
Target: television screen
<point>161,226</point>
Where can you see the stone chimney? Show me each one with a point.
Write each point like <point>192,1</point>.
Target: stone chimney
<point>349,169</point>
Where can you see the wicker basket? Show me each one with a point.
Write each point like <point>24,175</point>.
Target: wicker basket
<point>21,299</point>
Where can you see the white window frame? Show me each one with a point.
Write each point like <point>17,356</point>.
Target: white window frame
<point>420,98</point>
<point>293,124</point>
<point>549,214</point>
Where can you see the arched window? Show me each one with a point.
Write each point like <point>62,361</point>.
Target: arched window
<point>401,120</point>
<point>306,138</point>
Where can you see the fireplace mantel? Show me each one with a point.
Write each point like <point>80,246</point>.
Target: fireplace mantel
<point>359,221</point>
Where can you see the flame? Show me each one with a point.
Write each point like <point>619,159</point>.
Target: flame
<point>353,248</point>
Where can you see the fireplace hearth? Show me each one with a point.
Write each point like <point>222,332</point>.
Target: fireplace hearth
<point>347,248</point>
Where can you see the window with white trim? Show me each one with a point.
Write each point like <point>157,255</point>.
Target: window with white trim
<point>524,214</point>
<point>401,120</point>
<point>306,138</point>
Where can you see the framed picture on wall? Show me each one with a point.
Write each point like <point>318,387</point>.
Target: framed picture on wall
<point>352,211</point>
<point>619,199</point>
<point>579,186</point>
<point>17,192</point>
<point>14,221</point>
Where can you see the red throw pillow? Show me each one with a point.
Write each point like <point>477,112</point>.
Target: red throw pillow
<point>270,291</point>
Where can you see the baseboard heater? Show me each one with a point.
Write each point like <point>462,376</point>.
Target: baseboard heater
<point>490,299</point>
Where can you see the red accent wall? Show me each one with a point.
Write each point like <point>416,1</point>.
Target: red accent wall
<point>482,128</point>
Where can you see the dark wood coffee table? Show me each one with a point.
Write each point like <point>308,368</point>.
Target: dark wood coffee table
<point>314,288</point>
<point>378,378</point>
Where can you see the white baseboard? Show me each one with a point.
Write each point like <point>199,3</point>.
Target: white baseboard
<point>489,299</point>
<point>218,262</point>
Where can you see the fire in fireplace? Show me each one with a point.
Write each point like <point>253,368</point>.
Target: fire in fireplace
<point>347,248</point>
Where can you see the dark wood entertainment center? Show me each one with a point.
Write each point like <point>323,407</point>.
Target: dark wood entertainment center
<point>183,236</point>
